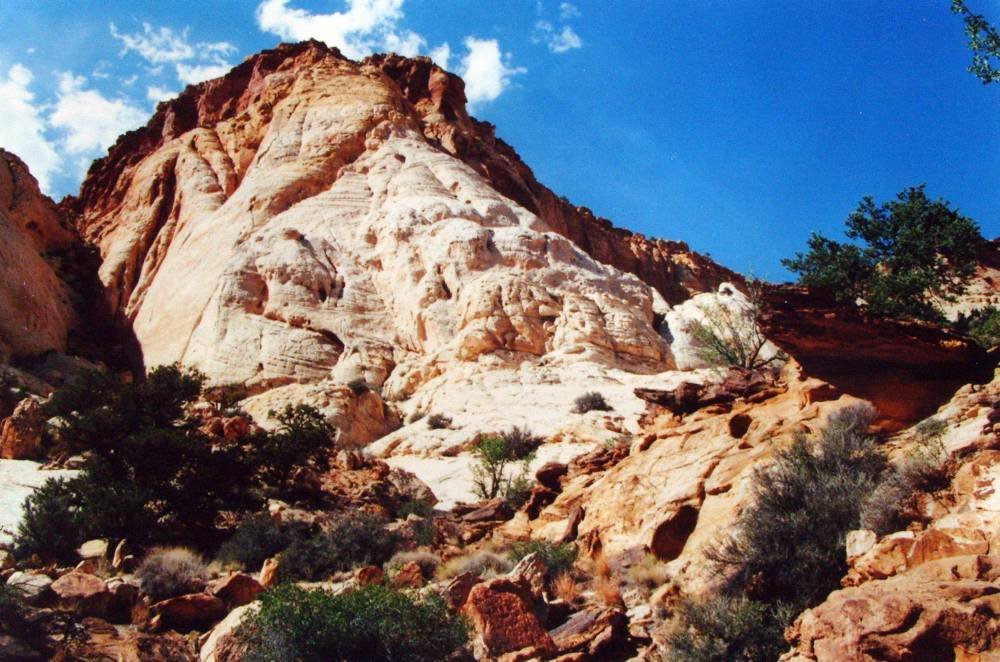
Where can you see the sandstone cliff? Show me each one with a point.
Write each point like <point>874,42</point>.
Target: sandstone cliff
<point>35,309</point>
<point>307,219</point>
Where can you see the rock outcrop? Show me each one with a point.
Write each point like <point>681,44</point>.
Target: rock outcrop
<point>309,220</point>
<point>906,369</point>
<point>35,308</point>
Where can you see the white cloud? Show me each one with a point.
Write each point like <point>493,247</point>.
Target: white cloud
<point>156,94</point>
<point>156,45</point>
<point>366,26</point>
<point>485,71</point>
<point>568,10</point>
<point>89,121</point>
<point>22,130</point>
<point>557,41</point>
<point>193,63</point>
<point>194,74</point>
<point>441,55</point>
<point>566,40</point>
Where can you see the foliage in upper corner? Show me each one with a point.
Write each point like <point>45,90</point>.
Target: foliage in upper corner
<point>913,250</point>
<point>372,623</point>
<point>984,42</point>
<point>729,336</point>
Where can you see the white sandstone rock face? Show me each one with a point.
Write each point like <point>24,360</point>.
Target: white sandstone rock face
<point>18,479</point>
<point>318,237</point>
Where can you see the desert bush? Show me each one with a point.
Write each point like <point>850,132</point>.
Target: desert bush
<point>517,491</point>
<point>650,573</point>
<point>256,539</point>
<point>372,623</point>
<point>482,563</point>
<point>227,396</point>
<point>439,422</point>
<point>355,538</point>
<point>556,557</point>
<point>889,505</point>
<point>13,610</point>
<point>565,588</point>
<point>592,401</point>
<point>416,507</point>
<point>723,629</point>
<point>983,325</point>
<point>787,552</point>
<point>149,477</point>
<point>428,561</point>
<point>789,545</point>
<point>495,453</point>
<point>302,440</point>
<point>170,572</point>
<point>730,336</point>
<point>607,591</point>
<point>520,443</point>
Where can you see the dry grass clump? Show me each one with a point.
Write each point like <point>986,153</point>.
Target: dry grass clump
<point>427,561</point>
<point>650,573</point>
<point>483,563</point>
<point>607,591</point>
<point>592,401</point>
<point>566,588</point>
<point>438,422</point>
<point>601,566</point>
<point>168,572</point>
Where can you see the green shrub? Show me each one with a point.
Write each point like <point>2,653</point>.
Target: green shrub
<point>789,545</point>
<point>372,623</point>
<point>983,325</point>
<point>725,629</point>
<point>438,422</point>
<point>914,251</point>
<point>303,439</point>
<point>227,396</point>
<point>592,401</point>
<point>415,507</point>
<point>168,573</point>
<point>49,527</point>
<point>730,336</point>
<point>254,541</point>
<point>556,557</point>
<point>356,538</point>
<point>494,453</point>
<point>149,477</point>
<point>788,549</point>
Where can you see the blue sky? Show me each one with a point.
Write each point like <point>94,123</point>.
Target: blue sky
<point>738,126</point>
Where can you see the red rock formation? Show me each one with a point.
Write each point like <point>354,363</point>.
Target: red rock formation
<point>906,369</point>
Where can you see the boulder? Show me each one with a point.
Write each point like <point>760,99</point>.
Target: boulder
<point>457,590</point>
<point>35,587</point>
<point>21,433</point>
<point>82,593</point>
<point>408,576</point>
<point>549,475</point>
<point>195,611</point>
<point>236,589</point>
<point>369,575</point>
<point>93,549</point>
<point>220,645</point>
<point>504,621</point>
<point>600,632</point>
<point>269,572</point>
